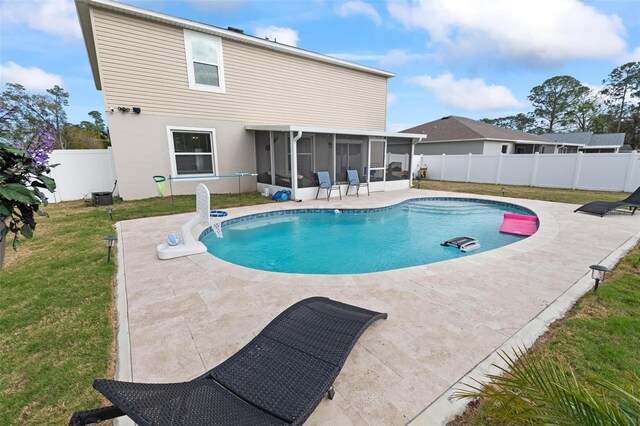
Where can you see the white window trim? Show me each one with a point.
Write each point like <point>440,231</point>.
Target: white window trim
<point>188,36</point>
<point>172,152</point>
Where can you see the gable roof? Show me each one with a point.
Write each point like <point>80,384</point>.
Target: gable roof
<point>588,139</point>
<point>83,7</point>
<point>454,128</point>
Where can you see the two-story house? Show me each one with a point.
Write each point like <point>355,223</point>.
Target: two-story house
<point>186,99</point>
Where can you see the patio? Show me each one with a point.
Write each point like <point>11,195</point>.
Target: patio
<point>181,317</point>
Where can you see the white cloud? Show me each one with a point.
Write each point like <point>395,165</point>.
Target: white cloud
<point>282,35</point>
<point>31,78</point>
<point>633,56</point>
<point>56,17</point>
<point>531,30</point>
<point>393,57</point>
<point>392,99</point>
<point>357,7</point>
<point>468,94</point>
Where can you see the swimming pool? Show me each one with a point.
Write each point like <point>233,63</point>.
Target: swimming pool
<point>321,241</point>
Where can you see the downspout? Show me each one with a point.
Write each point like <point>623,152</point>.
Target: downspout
<point>413,145</point>
<point>294,162</point>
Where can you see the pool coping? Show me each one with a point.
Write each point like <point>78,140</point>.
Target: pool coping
<point>440,410</point>
<point>444,408</point>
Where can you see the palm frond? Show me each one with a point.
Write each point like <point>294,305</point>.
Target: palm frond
<point>531,390</point>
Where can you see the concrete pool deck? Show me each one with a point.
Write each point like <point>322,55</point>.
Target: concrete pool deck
<point>179,318</point>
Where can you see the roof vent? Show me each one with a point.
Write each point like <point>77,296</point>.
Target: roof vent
<point>446,118</point>
<point>236,30</point>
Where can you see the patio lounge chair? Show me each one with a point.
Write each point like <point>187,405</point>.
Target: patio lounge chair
<point>354,180</point>
<point>324,182</point>
<point>276,379</point>
<point>603,207</point>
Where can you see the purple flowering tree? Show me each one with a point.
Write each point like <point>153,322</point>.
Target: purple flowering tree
<point>22,178</point>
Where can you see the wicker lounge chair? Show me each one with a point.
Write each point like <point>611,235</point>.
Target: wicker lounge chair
<point>354,180</point>
<point>276,379</point>
<point>324,182</point>
<point>603,207</point>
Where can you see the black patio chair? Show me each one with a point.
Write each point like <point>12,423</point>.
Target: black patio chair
<point>632,202</point>
<point>276,379</point>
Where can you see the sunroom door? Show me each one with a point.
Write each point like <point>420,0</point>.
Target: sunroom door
<point>377,166</point>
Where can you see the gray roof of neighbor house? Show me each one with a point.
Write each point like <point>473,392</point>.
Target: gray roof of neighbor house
<point>454,128</point>
<point>83,6</point>
<point>588,139</point>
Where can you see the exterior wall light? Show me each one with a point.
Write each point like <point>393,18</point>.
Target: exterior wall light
<point>110,242</point>
<point>597,273</point>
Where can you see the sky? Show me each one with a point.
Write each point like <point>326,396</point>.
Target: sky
<point>474,58</point>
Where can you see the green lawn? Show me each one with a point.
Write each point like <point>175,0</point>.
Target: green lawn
<point>56,308</point>
<point>545,194</point>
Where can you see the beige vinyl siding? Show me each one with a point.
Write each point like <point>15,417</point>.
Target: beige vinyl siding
<point>142,63</point>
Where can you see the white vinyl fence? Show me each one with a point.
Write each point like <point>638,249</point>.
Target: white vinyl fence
<point>80,172</point>
<point>604,172</point>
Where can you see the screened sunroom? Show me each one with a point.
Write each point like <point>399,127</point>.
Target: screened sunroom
<point>383,159</point>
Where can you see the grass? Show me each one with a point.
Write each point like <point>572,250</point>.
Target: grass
<point>600,336</point>
<point>56,308</point>
<point>545,194</point>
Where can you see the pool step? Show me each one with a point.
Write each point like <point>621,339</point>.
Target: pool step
<point>261,223</point>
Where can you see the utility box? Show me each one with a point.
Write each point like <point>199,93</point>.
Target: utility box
<point>102,198</point>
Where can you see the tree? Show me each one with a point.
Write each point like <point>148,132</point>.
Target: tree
<point>522,122</point>
<point>87,134</point>
<point>24,115</point>
<point>585,109</point>
<point>621,84</point>
<point>60,99</point>
<point>554,100</point>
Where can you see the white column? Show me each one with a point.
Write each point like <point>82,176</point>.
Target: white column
<point>534,171</point>
<point>442,169</point>
<point>499,168</point>
<point>631,165</point>
<point>576,171</point>
<point>294,164</point>
<point>468,167</point>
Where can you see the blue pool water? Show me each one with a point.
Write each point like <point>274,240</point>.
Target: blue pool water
<point>319,241</point>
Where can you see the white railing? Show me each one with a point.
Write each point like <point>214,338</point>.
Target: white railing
<point>603,172</point>
<point>80,172</point>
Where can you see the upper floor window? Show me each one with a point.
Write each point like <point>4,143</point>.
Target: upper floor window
<point>204,61</point>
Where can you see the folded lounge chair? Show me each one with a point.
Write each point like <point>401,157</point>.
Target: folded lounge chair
<point>324,182</point>
<point>276,379</point>
<point>603,207</point>
<point>354,180</point>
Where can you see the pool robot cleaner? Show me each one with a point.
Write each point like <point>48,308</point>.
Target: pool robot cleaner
<point>464,244</point>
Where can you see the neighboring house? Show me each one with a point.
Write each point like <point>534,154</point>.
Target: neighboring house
<point>186,99</point>
<point>588,141</point>
<point>460,135</point>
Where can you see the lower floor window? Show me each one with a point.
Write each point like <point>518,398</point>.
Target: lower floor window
<point>193,151</point>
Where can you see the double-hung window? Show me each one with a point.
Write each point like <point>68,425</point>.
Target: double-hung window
<point>193,151</point>
<point>204,61</point>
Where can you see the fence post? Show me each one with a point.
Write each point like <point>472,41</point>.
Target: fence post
<point>534,171</point>
<point>628,179</point>
<point>576,171</point>
<point>468,167</point>
<point>442,169</point>
<point>499,168</point>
